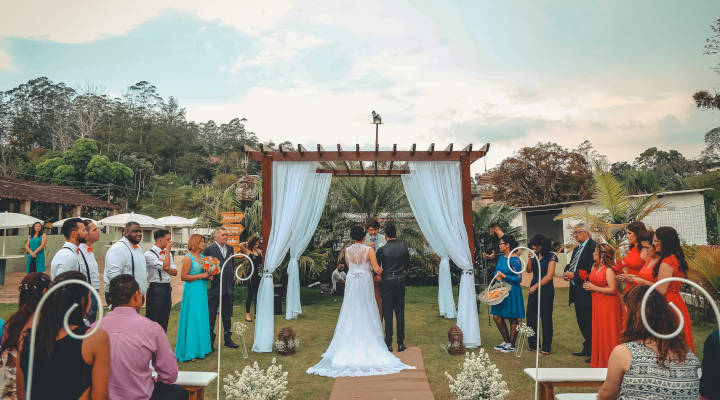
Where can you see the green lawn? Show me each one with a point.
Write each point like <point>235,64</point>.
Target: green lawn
<point>424,328</point>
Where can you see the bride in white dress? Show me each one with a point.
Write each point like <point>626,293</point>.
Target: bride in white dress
<point>357,347</point>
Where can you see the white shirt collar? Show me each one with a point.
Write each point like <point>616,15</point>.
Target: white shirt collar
<point>71,245</point>
<point>156,248</point>
<point>129,243</point>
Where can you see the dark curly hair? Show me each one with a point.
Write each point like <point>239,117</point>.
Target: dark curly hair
<point>31,291</point>
<point>606,253</point>
<point>638,228</point>
<point>357,232</point>
<point>670,240</point>
<point>660,317</point>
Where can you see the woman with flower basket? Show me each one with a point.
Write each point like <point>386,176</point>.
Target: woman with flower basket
<point>193,335</point>
<point>606,306</point>
<point>513,307</point>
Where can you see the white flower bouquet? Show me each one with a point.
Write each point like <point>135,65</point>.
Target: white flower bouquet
<point>290,345</point>
<point>524,332</point>
<point>238,328</point>
<point>254,383</point>
<point>478,379</point>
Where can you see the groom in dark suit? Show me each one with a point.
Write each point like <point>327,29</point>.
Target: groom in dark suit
<point>581,260</point>
<point>222,252</point>
<point>394,259</point>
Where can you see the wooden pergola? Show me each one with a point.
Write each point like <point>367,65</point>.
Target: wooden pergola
<point>352,163</point>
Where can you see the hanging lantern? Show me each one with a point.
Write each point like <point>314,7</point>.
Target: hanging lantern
<point>287,343</point>
<point>245,188</point>
<point>455,341</point>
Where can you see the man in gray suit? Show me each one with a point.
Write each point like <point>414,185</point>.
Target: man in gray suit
<point>222,252</point>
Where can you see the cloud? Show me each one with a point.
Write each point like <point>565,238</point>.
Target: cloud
<point>278,47</point>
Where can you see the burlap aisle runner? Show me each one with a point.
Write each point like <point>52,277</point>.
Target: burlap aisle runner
<point>410,384</point>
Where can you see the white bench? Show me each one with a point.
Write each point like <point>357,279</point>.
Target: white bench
<point>195,383</point>
<point>549,378</point>
<point>576,396</point>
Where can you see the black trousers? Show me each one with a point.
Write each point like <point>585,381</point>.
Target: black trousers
<point>392,290</point>
<point>159,302</point>
<point>164,391</point>
<point>225,313</point>
<point>583,314</point>
<point>546,311</point>
<point>252,294</point>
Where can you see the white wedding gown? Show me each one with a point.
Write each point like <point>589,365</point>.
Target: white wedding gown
<point>357,347</point>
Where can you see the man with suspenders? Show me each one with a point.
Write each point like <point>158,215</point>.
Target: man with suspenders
<point>89,265</point>
<point>67,257</point>
<point>126,257</point>
<point>160,266</point>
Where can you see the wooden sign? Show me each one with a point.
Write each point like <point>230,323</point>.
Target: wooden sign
<point>233,240</point>
<point>232,217</point>
<point>234,229</point>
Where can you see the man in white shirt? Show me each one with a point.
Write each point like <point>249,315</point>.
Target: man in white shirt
<point>89,265</point>
<point>126,257</point>
<point>374,238</point>
<point>160,266</point>
<point>338,276</point>
<point>67,257</point>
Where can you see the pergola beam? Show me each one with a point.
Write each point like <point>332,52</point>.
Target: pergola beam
<point>448,149</point>
<point>356,173</point>
<point>359,155</point>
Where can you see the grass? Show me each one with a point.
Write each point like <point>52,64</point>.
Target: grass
<point>424,328</point>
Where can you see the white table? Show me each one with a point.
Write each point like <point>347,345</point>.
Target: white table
<point>195,382</point>
<point>549,378</point>
<point>3,261</point>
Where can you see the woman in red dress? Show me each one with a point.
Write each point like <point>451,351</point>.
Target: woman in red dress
<point>632,263</point>
<point>606,306</point>
<point>651,257</point>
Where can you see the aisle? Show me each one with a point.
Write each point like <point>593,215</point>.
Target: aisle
<point>410,384</point>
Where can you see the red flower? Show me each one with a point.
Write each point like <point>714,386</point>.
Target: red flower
<point>583,274</point>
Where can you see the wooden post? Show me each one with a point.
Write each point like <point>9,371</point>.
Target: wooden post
<point>466,189</point>
<point>266,200</point>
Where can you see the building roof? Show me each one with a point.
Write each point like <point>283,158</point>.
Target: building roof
<point>34,191</point>
<point>543,207</point>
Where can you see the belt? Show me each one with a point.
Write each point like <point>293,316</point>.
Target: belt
<point>393,275</point>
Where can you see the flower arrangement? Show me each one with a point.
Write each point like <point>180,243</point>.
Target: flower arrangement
<point>478,379</point>
<point>238,328</point>
<point>254,383</point>
<point>287,343</point>
<point>524,332</point>
<point>211,265</point>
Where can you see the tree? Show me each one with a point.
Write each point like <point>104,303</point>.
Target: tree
<point>542,174</point>
<point>703,99</point>
<point>618,208</point>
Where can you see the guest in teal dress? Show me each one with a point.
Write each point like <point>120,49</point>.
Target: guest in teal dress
<point>513,307</point>
<point>193,336</point>
<point>35,246</point>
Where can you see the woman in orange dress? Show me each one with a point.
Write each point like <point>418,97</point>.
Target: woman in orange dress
<point>671,263</point>
<point>606,306</point>
<point>632,263</point>
<point>651,257</point>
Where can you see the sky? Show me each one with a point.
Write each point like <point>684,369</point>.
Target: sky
<point>620,74</point>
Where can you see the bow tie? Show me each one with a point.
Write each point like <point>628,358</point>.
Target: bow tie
<point>89,249</point>
<point>77,251</point>
<point>135,246</point>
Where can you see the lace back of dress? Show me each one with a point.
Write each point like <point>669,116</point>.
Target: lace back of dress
<point>357,255</point>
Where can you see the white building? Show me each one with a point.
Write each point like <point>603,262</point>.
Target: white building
<point>685,211</point>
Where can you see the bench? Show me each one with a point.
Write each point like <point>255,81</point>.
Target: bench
<point>195,383</point>
<point>576,396</point>
<point>549,378</point>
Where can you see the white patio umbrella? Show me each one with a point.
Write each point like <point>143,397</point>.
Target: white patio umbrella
<point>13,220</point>
<point>120,220</point>
<point>59,224</point>
<point>173,221</point>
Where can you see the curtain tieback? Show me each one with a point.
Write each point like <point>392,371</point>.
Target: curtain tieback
<point>468,271</point>
<point>267,274</point>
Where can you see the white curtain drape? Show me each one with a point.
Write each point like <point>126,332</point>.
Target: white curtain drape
<point>434,192</point>
<point>415,192</point>
<point>302,233</point>
<point>290,181</point>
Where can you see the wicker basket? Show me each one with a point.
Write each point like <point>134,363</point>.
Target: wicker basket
<point>495,293</point>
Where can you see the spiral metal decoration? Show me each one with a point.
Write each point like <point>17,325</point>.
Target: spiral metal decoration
<point>537,334</point>
<point>219,323</point>
<point>674,307</point>
<point>66,326</point>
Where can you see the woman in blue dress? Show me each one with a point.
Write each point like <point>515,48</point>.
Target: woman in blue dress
<point>193,336</point>
<point>513,307</point>
<point>35,247</point>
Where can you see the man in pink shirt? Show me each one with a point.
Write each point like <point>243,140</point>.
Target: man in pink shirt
<point>135,342</point>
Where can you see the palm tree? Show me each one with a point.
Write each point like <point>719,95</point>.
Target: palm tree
<point>372,196</point>
<point>503,215</point>
<point>619,208</point>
